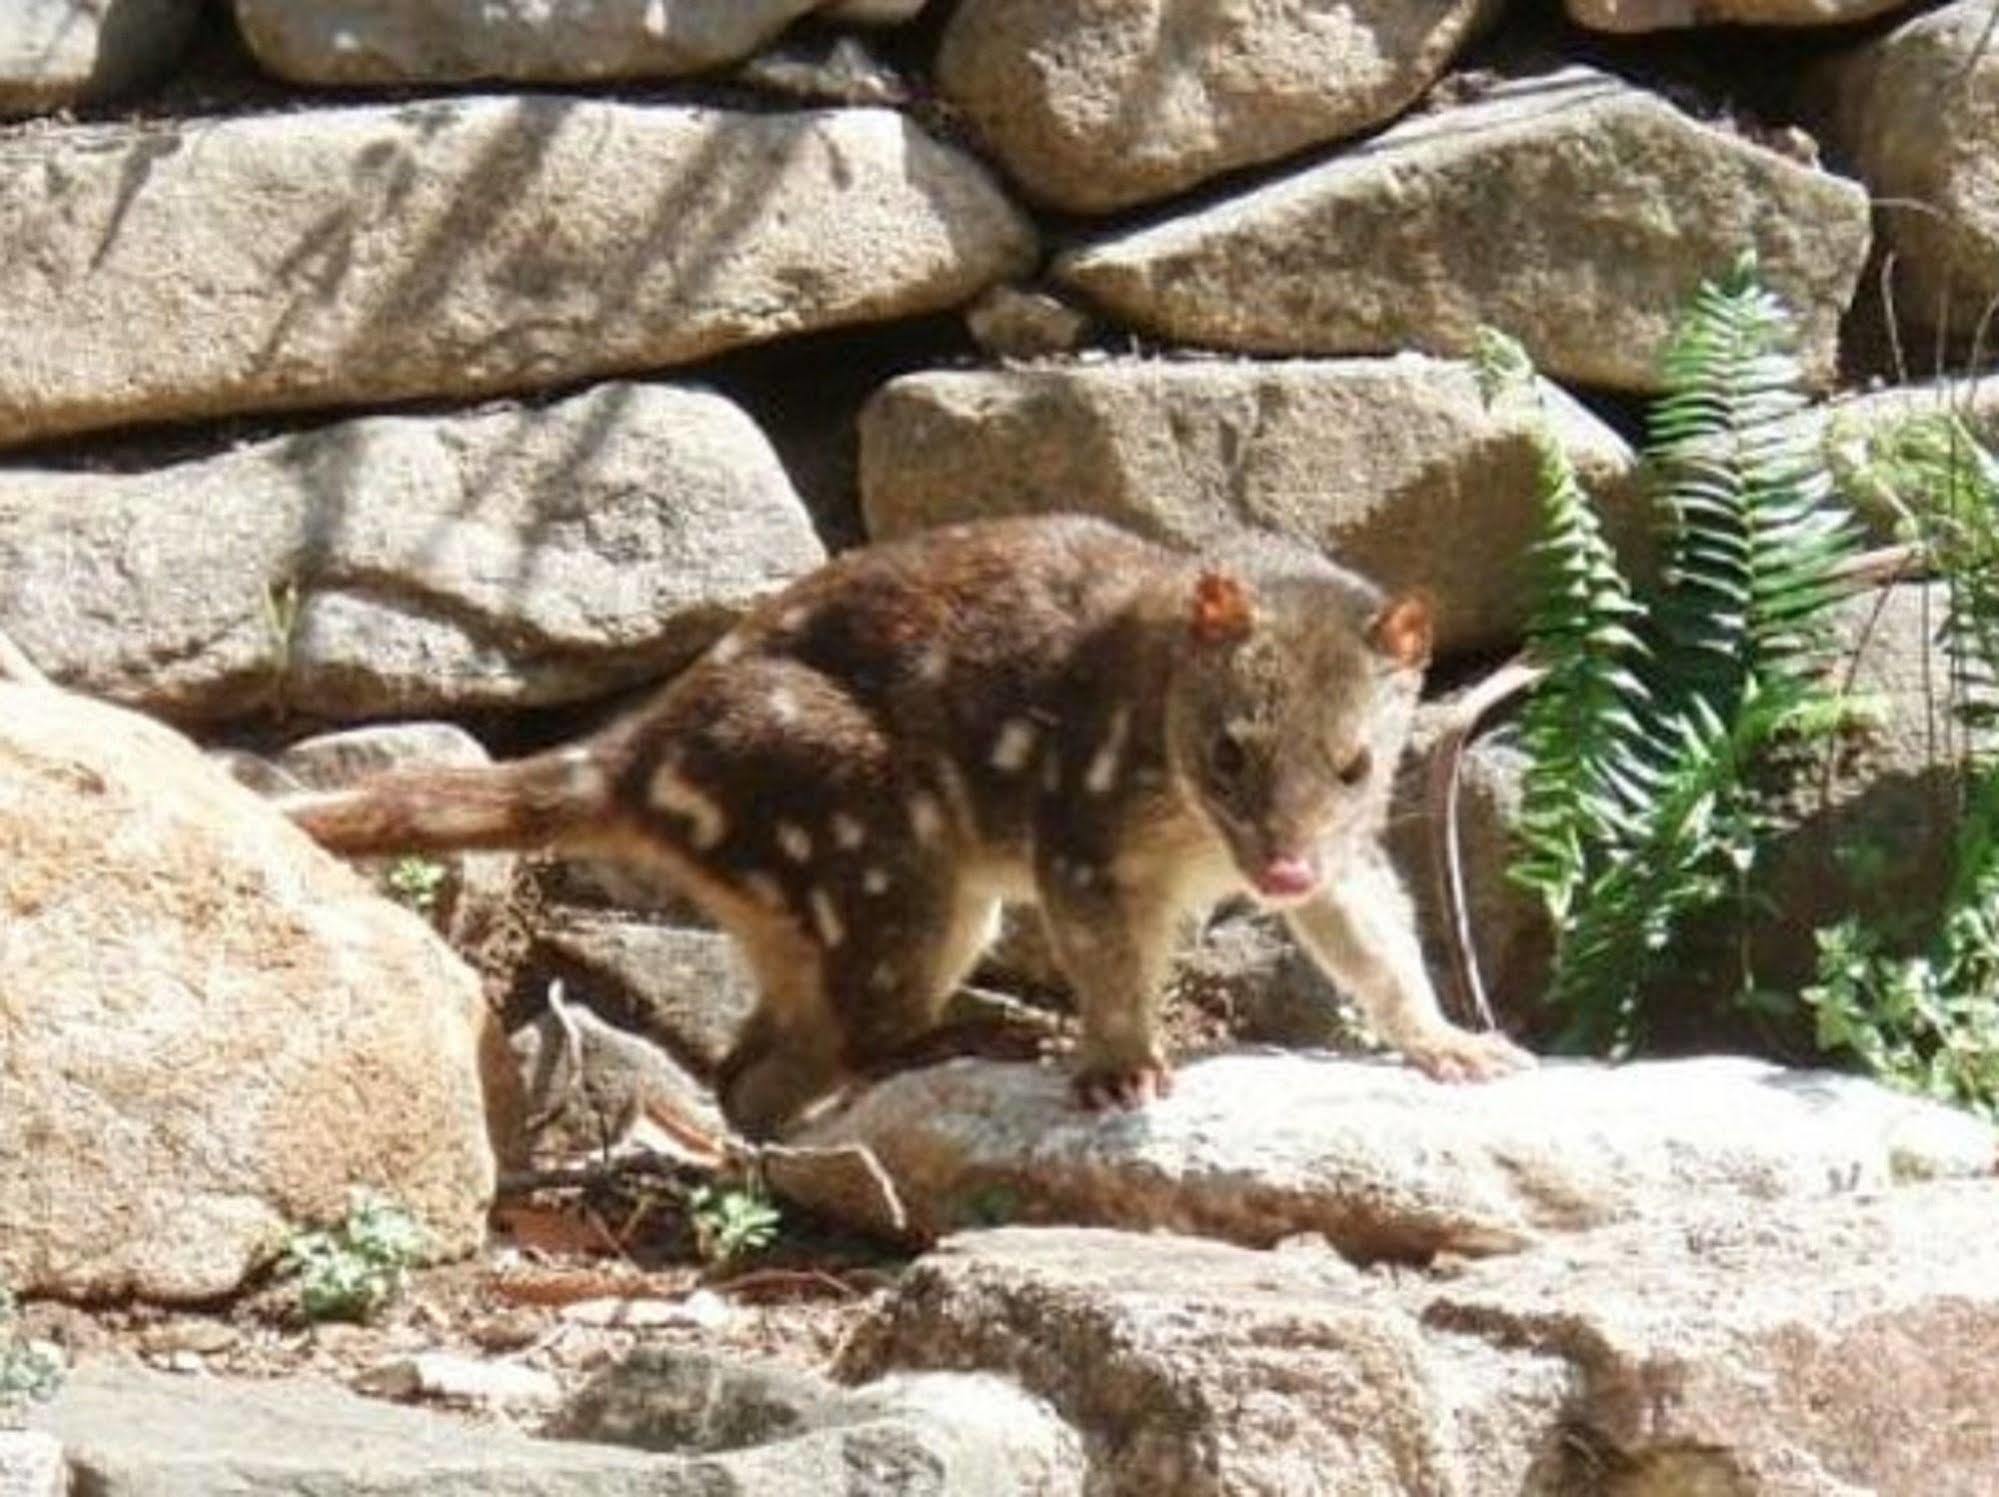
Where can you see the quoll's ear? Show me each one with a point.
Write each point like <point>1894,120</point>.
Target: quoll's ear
<point>1223,610</point>
<point>1404,630</point>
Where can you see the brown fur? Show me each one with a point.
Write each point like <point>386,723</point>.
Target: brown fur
<point>1044,709</point>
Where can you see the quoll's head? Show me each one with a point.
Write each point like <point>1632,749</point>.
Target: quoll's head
<point>1288,709</point>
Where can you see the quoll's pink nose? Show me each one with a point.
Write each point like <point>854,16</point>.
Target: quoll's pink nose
<point>1288,877</point>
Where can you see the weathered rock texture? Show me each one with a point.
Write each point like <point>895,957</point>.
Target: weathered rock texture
<point>1664,15</point>
<point>57,52</point>
<point>444,41</point>
<point>141,1434</point>
<point>1575,212</point>
<point>212,1030</point>
<point>591,1087</point>
<point>1394,466</point>
<point>1825,1347</point>
<point>406,564</point>
<point>459,248</point>
<point>1198,1368</point>
<point>1383,1162</point>
<point>1877,837</point>
<point>687,990</point>
<point>31,1465</point>
<point>971,1435</point>
<point>1100,106</point>
<point>1918,113</point>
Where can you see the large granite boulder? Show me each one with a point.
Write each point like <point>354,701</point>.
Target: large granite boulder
<point>459,247</point>
<point>1917,113</point>
<point>1825,1347</point>
<point>213,1031</point>
<point>407,564</point>
<point>1573,211</point>
<point>1394,466</point>
<point>1382,1161</point>
<point>1100,106</point>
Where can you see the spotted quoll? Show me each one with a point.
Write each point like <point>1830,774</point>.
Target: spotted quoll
<point>1052,710</point>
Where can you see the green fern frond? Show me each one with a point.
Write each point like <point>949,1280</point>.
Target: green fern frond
<point>1696,847</point>
<point>1754,543</point>
<point>1588,783</point>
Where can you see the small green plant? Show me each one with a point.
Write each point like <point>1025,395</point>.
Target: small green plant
<point>415,881</point>
<point>1929,1021</point>
<point>29,1373</point>
<point>351,1271</point>
<point>732,1222</point>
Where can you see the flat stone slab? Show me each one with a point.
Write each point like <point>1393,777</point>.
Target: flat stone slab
<point>1824,1347</point>
<point>458,248</point>
<point>134,1433</point>
<point>1394,466</point>
<point>407,565</point>
<point>457,41</point>
<point>1383,1162</point>
<point>1576,212</point>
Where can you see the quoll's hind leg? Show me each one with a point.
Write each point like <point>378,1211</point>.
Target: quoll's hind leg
<point>891,988</point>
<point>789,1052</point>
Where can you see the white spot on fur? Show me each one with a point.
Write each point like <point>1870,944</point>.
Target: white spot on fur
<point>727,648</point>
<point>1082,875</point>
<point>883,978</point>
<point>795,840</point>
<point>791,618</point>
<point>875,881</point>
<point>932,664</point>
<point>926,818</point>
<point>784,705</point>
<point>1014,746</point>
<point>764,889</point>
<point>826,918</point>
<point>581,773</point>
<point>1103,772</point>
<point>956,796</point>
<point>672,793</point>
<point>848,833</point>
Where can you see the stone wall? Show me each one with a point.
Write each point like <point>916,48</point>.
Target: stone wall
<point>363,361</point>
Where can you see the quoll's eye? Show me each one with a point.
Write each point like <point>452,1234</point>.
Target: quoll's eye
<point>1226,757</point>
<point>1356,769</point>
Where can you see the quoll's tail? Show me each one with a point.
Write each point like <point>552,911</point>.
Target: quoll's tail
<point>528,803</point>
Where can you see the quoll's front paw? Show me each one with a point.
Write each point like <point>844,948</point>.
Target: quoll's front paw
<point>1125,1087</point>
<point>1460,1055</point>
